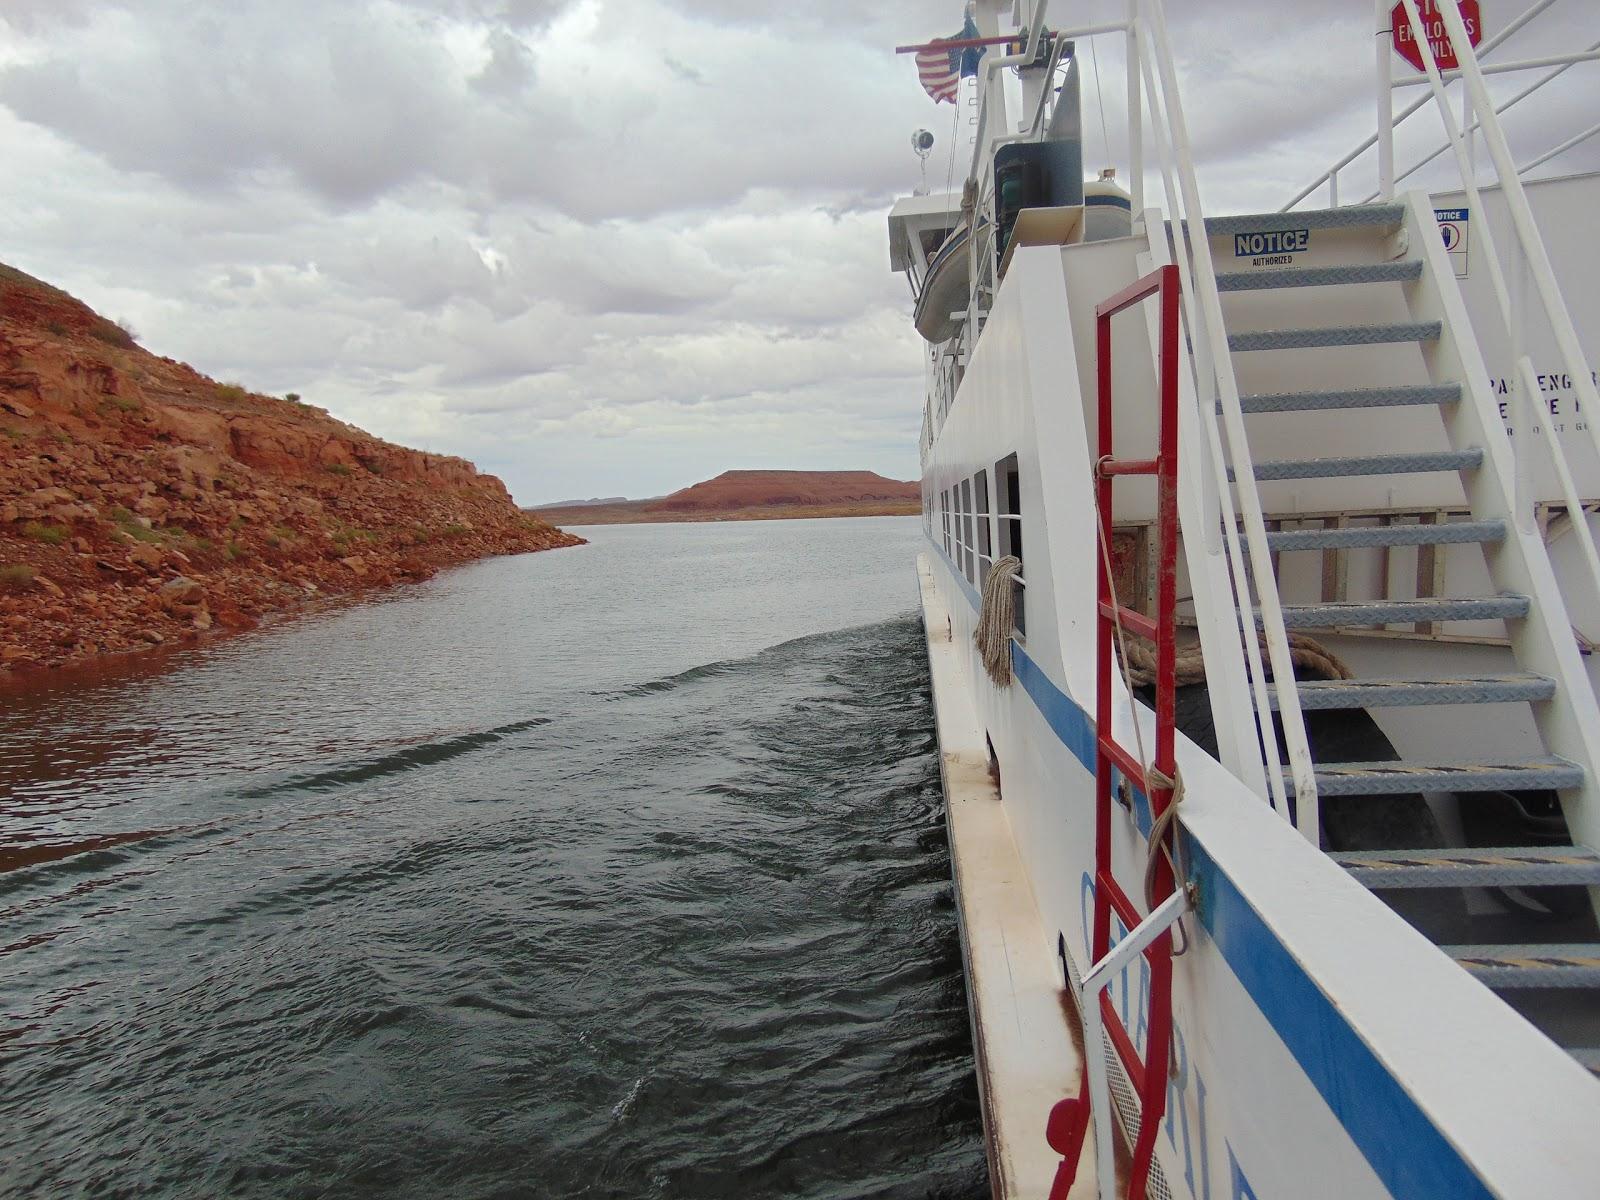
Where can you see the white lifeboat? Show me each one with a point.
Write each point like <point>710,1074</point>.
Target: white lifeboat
<point>945,289</point>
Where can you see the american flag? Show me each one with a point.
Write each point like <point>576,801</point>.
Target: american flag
<point>941,71</point>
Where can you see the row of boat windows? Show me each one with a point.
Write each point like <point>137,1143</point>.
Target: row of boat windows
<point>975,531</point>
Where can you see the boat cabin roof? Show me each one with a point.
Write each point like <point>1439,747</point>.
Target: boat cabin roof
<point>913,216</point>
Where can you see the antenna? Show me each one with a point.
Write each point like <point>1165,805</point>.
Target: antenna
<point>922,146</point>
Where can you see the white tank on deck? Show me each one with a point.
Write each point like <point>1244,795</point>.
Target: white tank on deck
<point>1107,209</point>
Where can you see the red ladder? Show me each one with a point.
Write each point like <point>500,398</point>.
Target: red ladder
<point>1149,936</point>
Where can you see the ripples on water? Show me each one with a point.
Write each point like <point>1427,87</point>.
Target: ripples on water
<point>508,886</point>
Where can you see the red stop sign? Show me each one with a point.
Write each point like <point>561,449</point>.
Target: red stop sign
<point>1406,39</point>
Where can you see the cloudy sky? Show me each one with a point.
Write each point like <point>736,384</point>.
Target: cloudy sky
<point>597,246</point>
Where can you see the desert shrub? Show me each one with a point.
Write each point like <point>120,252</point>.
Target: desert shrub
<point>114,333</point>
<point>16,577</point>
<point>231,393</point>
<point>50,535</point>
<point>56,327</point>
<point>346,535</point>
<point>129,524</point>
<point>293,397</point>
<point>338,469</point>
<point>236,550</point>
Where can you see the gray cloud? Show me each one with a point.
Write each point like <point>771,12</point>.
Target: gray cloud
<point>599,246</point>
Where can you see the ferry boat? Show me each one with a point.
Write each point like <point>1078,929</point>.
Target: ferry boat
<point>1261,593</point>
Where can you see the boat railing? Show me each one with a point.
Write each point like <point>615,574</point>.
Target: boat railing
<point>1240,535</point>
<point>1151,80</point>
<point>1388,120</point>
<point>1526,264</point>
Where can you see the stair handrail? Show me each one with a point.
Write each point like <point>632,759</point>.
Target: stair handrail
<point>1386,147</point>
<point>1261,776</point>
<point>1534,265</point>
<point>1188,225</point>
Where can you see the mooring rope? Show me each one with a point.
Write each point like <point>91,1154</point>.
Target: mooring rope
<point>1306,653</point>
<point>997,617</point>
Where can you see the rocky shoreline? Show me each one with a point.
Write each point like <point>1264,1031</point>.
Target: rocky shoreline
<point>142,503</point>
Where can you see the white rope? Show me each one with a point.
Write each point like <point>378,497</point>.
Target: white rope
<point>1156,843</point>
<point>955,124</point>
<point>997,618</point>
<point>1116,614</point>
<point>1099,99</point>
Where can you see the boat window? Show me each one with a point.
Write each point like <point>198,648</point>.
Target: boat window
<point>1008,521</point>
<point>944,513</point>
<point>968,558</point>
<point>980,498</point>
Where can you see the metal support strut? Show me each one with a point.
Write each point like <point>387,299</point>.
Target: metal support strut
<point>1149,936</point>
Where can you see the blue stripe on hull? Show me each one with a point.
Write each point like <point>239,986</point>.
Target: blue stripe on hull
<point>1404,1148</point>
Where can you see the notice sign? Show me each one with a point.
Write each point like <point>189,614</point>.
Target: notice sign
<point>1275,248</point>
<point>1405,34</point>
<point>1453,229</point>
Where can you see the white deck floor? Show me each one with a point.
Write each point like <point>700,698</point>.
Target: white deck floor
<point>1026,1058</point>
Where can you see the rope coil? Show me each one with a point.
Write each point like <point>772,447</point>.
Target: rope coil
<point>996,619</point>
<point>1307,654</point>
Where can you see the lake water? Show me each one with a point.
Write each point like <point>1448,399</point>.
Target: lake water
<point>613,871</point>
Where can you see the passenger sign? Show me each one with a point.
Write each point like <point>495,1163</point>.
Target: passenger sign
<point>1405,37</point>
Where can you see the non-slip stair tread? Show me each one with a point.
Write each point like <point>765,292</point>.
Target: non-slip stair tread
<point>1337,276</point>
<point>1367,464</point>
<point>1567,964</point>
<point>1349,217</point>
<point>1402,612</point>
<point>1359,536</point>
<point>1501,866</point>
<point>1395,778</point>
<point>1335,399</point>
<point>1318,337</point>
<point>1409,692</point>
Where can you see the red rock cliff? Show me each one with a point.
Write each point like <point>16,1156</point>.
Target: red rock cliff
<point>142,502</point>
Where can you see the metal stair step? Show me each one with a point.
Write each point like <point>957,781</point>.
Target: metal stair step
<point>1334,335</point>
<point>1349,217</point>
<point>1385,397</point>
<point>1397,778</point>
<point>1534,966</point>
<point>1509,866</point>
<point>1410,693</point>
<point>1368,464</point>
<point>1354,537</point>
<point>1290,277</point>
<point>1401,612</point>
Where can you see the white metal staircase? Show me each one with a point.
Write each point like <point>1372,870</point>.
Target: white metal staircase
<point>1388,259</point>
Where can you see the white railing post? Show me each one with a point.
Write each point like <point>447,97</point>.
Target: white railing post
<point>1199,281</point>
<point>1135,117</point>
<point>1237,685</point>
<point>1521,446</point>
<point>1283,679</point>
<point>1543,274</point>
<point>1385,74</point>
